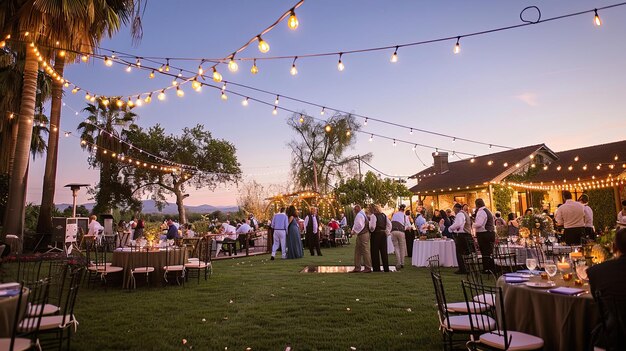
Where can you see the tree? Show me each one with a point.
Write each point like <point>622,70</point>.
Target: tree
<point>251,199</point>
<point>318,152</point>
<point>48,24</point>
<point>212,161</point>
<point>371,190</point>
<point>81,211</point>
<point>101,131</point>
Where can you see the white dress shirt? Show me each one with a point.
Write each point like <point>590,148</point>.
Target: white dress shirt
<point>399,217</point>
<point>372,224</point>
<point>306,223</point>
<point>419,222</point>
<point>458,225</point>
<point>94,228</point>
<point>359,222</point>
<point>280,222</point>
<point>480,221</point>
<point>621,217</point>
<point>588,216</point>
<point>244,229</point>
<point>343,222</point>
<point>570,215</point>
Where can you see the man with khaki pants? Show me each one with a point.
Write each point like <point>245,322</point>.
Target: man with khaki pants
<point>398,235</point>
<point>360,230</point>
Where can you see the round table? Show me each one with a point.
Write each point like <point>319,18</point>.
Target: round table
<point>422,249</point>
<point>128,260</point>
<point>8,305</point>
<point>563,322</point>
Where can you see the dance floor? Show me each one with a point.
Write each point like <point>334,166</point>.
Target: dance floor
<point>335,269</point>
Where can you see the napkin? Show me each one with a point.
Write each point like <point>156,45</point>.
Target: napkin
<point>566,291</point>
<point>526,271</point>
<point>515,279</point>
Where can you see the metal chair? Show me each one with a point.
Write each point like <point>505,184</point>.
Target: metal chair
<point>145,269</point>
<point>56,274</point>
<point>25,333</point>
<point>203,262</point>
<point>101,267</point>
<point>611,333</point>
<point>175,266</point>
<point>28,270</point>
<point>487,330</point>
<point>505,259</point>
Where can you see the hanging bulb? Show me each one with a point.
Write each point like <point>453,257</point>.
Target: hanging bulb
<point>453,139</point>
<point>371,137</point>
<point>328,128</point>
<point>263,45</point>
<point>275,111</point>
<point>130,102</point>
<point>62,53</point>
<point>138,102</point>
<point>365,122</point>
<point>93,99</point>
<point>232,64</point>
<point>224,86</point>
<point>436,152</point>
<point>67,134</point>
<point>167,65</point>
<point>340,65</point>
<point>200,69</point>
<point>75,90</point>
<point>180,73</point>
<point>129,68</point>
<point>414,147</point>
<point>179,92</point>
<point>323,111</point>
<point>411,131</point>
<point>301,119</point>
<point>161,95</point>
<point>348,133</point>
<point>148,98</point>
<point>457,46</point>
<point>119,103</point>
<point>596,18</point>
<point>84,58</point>
<point>394,142</point>
<point>217,77</point>
<point>293,69</point>
<point>195,84</point>
<point>138,62</point>
<point>108,62</point>
<point>175,81</point>
<point>472,160</point>
<point>224,96</point>
<point>151,74</point>
<point>254,69</point>
<point>276,101</point>
<point>394,57</point>
<point>292,22</point>
<point>244,102</point>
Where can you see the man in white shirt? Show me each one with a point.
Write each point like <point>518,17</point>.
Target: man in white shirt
<point>360,230</point>
<point>228,234</point>
<point>420,220</point>
<point>461,230</point>
<point>94,227</point>
<point>279,225</point>
<point>380,227</point>
<point>590,231</point>
<point>242,233</point>
<point>343,222</point>
<point>571,216</point>
<point>485,234</point>
<point>398,237</point>
<point>311,234</point>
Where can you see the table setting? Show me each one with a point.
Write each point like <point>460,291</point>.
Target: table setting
<point>9,295</point>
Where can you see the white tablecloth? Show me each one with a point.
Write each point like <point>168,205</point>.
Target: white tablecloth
<point>422,249</point>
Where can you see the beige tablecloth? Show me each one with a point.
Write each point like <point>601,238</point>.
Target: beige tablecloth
<point>157,259</point>
<point>8,305</point>
<point>563,322</point>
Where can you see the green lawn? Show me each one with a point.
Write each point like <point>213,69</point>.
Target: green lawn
<point>268,305</point>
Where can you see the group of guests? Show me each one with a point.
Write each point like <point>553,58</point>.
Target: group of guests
<point>287,236</point>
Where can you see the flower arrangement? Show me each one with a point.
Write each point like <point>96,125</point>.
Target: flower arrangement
<point>152,232</point>
<point>432,230</point>
<point>537,223</point>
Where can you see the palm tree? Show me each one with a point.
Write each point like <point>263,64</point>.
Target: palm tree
<point>103,129</point>
<point>49,23</point>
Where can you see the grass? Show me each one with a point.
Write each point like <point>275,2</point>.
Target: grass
<point>273,306</point>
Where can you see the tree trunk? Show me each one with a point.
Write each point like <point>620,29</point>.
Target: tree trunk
<point>44,222</point>
<point>182,214</point>
<point>14,214</point>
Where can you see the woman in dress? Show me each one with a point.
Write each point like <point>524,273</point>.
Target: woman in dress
<point>513,226</point>
<point>294,240</point>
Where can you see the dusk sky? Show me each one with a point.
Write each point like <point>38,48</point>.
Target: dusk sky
<point>560,83</point>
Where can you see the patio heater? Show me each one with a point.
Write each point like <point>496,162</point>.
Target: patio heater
<point>75,187</point>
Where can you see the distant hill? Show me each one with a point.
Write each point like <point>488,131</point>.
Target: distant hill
<point>150,207</point>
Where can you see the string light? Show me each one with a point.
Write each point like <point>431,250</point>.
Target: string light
<point>457,46</point>
<point>394,57</point>
<point>365,122</point>
<point>161,95</point>
<point>200,69</point>
<point>139,102</point>
<point>224,86</point>
<point>179,92</point>
<point>224,96</point>
<point>119,103</point>
<point>394,142</point>
<point>348,133</point>
<point>217,77</point>
<point>596,19</point>
<point>264,47</point>
<point>129,68</point>
<point>414,147</point>
<point>138,62</point>
<point>293,69</point>
<point>254,69</point>
<point>292,22</point>
<point>195,84</point>
<point>276,101</point>
<point>301,118</point>
<point>328,128</point>
<point>411,131</point>
<point>232,64</point>
<point>275,111</point>
<point>108,62</point>
<point>148,98</point>
<point>151,74</point>
<point>340,65</point>
<point>167,65</point>
<point>323,111</point>
<point>84,58</point>
<point>244,102</point>
<point>175,82</point>
<point>371,138</point>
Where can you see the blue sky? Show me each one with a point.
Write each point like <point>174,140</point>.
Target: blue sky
<point>559,83</point>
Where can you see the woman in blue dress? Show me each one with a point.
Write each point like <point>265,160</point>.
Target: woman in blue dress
<point>294,241</point>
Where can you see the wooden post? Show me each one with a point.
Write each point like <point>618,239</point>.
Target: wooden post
<point>490,190</point>
<point>618,203</point>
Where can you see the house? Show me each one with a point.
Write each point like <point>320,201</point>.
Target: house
<point>532,176</point>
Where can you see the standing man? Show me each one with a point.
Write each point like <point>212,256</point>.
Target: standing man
<point>312,224</point>
<point>360,230</point>
<point>343,222</point>
<point>280,222</point>
<point>380,227</point>
<point>398,237</point>
<point>590,231</point>
<point>571,216</point>
<point>420,220</point>
<point>485,234</point>
<point>461,230</point>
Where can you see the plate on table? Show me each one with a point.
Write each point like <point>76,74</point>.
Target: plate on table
<point>517,275</point>
<point>539,285</point>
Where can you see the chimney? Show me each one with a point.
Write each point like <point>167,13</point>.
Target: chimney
<point>440,162</point>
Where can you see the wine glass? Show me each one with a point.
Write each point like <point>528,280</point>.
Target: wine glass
<point>531,263</point>
<point>550,268</point>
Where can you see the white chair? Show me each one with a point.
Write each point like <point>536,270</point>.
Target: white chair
<point>175,266</point>
<point>145,269</point>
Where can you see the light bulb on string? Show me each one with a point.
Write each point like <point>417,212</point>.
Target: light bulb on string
<point>394,142</point>
<point>414,147</point>
<point>180,73</point>
<point>411,131</point>
<point>254,69</point>
<point>457,46</point>
<point>200,70</point>
<point>244,102</point>
<point>301,118</point>
<point>232,64</point>
<point>179,92</point>
<point>217,77</point>
<point>293,69</point>
<point>175,81</point>
<point>292,22</point>
<point>161,68</point>
<point>108,62</point>
<point>365,122</point>
<point>151,76</point>
<point>275,111</point>
<point>264,47</point>
<point>87,96</point>
<point>348,133</point>
<point>328,128</point>
<point>139,102</point>
<point>371,137</point>
<point>148,98</point>
<point>195,84</point>
<point>596,19</point>
<point>84,58</point>
<point>167,65</point>
<point>138,62</point>
<point>119,103</point>
<point>129,68</point>
<point>340,65</point>
<point>394,57</point>
<point>224,96</point>
<point>436,152</point>
<point>75,90</point>
<point>105,101</point>
<point>323,111</point>
<point>130,102</point>
<point>224,86</point>
<point>276,101</point>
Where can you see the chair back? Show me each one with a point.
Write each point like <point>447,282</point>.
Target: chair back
<point>170,258</point>
<point>57,274</point>
<point>37,299</point>
<point>204,250</point>
<point>28,270</point>
<point>612,310</point>
<point>440,300</point>
<point>536,251</point>
<point>433,264</point>
<point>482,311</point>
<point>76,276</point>
<point>505,259</point>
